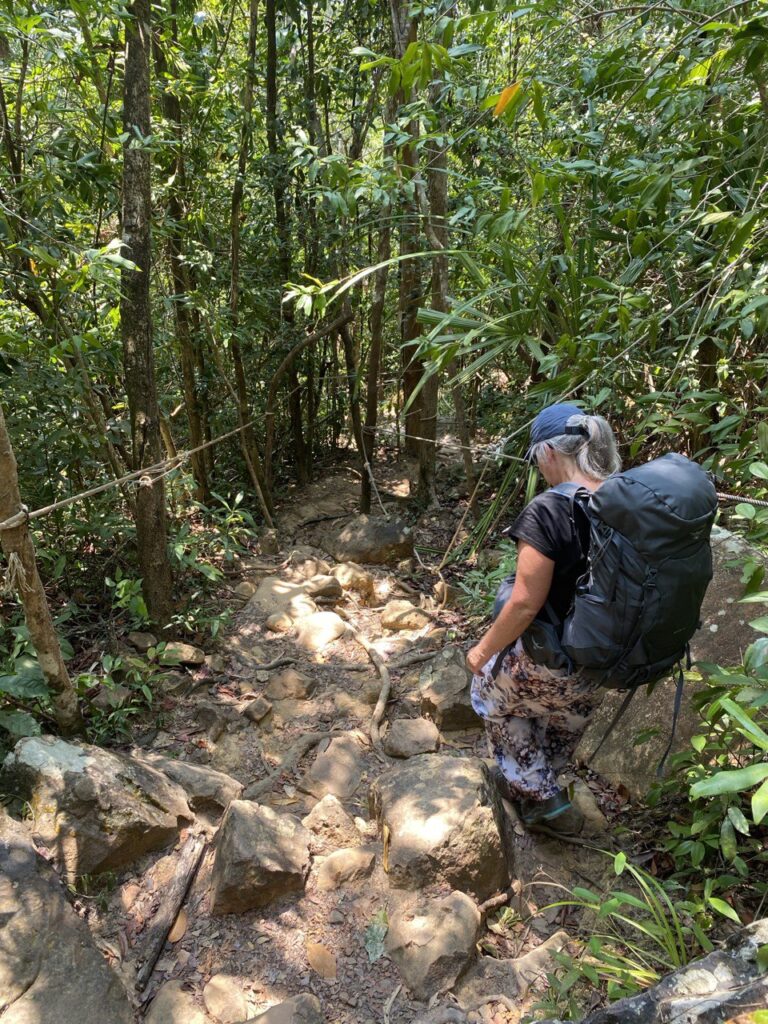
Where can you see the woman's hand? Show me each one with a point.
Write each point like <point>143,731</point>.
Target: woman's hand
<point>476,658</point>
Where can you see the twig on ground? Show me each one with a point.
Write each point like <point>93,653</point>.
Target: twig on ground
<point>494,903</point>
<point>390,1003</point>
<point>275,663</point>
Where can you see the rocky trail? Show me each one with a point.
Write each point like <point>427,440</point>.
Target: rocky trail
<point>320,783</point>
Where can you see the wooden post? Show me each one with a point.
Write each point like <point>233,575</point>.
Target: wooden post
<point>22,576</point>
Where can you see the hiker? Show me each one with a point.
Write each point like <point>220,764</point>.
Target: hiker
<point>535,714</point>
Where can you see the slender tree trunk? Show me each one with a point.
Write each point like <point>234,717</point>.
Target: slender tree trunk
<point>180,273</point>
<point>22,576</point>
<point>280,182</point>
<point>374,365</point>
<point>136,320</point>
<point>404,33</point>
<point>437,231</point>
<point>248,437</point>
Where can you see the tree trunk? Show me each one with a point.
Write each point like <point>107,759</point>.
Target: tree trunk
<point>280,182</point>
<point>437,230</point>
<point>404,33</point>
<point>248,437</point>
<point>22,576</point>
<point>374,366</point>
<point>180,274</point>
<point>135,317</point>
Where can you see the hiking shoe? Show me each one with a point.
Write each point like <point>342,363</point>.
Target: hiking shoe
<point>555,814</point>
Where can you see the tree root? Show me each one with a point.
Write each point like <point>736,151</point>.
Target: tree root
<point>295,753</point>
<point>374,730</point>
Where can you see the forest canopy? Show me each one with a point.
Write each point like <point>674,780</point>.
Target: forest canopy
<point>363,216</point>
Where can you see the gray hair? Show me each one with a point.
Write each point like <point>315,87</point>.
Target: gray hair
<point>595,455</point>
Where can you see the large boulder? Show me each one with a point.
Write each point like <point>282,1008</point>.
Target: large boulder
<point>260,856</point>
<point>444,685</point>
<point>510,978</point>
<point>723,986</point>
<point>433,944</point>
<point>373,540</point>
<point>94,809</point>
<point>50,970</point>
<point>724,636</point>
<point>343,867</point>
<point>280,597</point>
<point>439,816</point>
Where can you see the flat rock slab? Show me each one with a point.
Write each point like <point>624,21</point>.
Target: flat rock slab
<point>440,820</point>
<point>433,944</point>
<point>444,690</point>
<point>276,597</point>
<point>304,1009</point>
<point>175,1004</point>
<point>206,789</point>
<point>336,770</point>
<point>510,978</point>
<point>372,539</point>
<point>290,685</point>
<point>408,737</point>
<point>95,809</point>
<point>400,614</point>
<point>260,855</point>
<point>724,636</point>
<point>50,970</point>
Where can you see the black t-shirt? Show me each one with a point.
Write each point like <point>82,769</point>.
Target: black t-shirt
<point>559,530</point>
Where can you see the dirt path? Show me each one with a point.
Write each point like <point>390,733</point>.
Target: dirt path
<point>247,720</point>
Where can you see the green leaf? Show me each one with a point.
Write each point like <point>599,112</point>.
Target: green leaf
<point>19,724</point>
<point>759,469</point>
<point>739,821</point>
<point>762,963</point>
<point>730,781</point>
<point>728,843</point>
<point>619,862</point>
<point>716,217</point>
<point>747,726</point>
<point>723,908</point>
<point>760,624</point>
<point>27,683</point>
<point>375,934</point>
<point>760,803</point>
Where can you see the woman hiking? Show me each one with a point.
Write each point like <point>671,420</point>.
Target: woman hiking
<point>535,714</point>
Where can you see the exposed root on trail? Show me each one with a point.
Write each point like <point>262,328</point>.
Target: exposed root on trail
<point>295,753</point>
<point>374,730</point>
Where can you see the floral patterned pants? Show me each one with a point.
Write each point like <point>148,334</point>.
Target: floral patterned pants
<point>534,717</point>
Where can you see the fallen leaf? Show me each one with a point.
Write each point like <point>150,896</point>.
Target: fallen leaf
<point>179,926</point>
<point>507,95</point>
<point>321,960</point>
<point>375,934</point>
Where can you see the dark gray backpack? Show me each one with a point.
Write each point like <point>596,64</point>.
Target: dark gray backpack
<point>648,567</point>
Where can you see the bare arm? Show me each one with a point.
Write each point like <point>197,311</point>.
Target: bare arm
<point>532,583</point>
